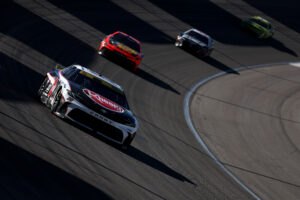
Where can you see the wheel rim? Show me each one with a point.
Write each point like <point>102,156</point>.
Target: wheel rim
<point>56,100</point>
<point>41,89</point>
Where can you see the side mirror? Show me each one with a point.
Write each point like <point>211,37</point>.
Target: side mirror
<point>59,66</point>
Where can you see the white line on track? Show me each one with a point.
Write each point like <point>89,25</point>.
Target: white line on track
<point>295,64</point>
<point>186,107</point>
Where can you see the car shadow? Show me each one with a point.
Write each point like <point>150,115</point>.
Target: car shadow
<point>279,46</point>
<point>140,73</point>
<point>137,155</point>
<point>287,15</point>
<point>217,64</point>
<point>108,17</point>
<point>215,21</point>
<point>64,187</point>
<point>212,61</point>
<point>269,42</point>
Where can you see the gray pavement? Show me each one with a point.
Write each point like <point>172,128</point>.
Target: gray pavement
<point>43,157</point>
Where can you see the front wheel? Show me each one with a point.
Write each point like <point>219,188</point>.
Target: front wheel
<point>127,142</point>
<point>42,88</point>
<point>56,101</point>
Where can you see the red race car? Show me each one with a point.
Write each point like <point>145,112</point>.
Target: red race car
<point>124,46</point>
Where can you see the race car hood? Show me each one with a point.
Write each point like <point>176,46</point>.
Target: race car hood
<point>127,49</point>
<point>124,47</point>
<point>195,40</point>
<point>103,105</point>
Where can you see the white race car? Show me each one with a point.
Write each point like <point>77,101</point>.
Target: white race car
<point>90,100</point>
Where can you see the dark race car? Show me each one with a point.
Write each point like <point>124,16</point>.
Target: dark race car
<point>195,41</point>
<point>123,46</point>
<point>90,100</point>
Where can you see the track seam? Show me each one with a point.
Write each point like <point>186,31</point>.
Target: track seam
<point>186,109</point>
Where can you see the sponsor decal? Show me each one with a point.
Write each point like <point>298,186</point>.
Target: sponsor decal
<point>126,48</point>
<point>52,87</point>
<point>65,81</point>
<point>102,101</point>
<point>87,74</point>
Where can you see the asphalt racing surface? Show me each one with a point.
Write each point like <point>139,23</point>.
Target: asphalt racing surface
<point>44,157</point>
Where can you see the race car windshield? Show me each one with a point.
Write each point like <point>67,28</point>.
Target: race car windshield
<point>101,87</point>
<point>265,25</point>
<point>123,39</point>
<point>198,36</point>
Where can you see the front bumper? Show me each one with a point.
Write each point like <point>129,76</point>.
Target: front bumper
<point>125,58</point>
<point>93,121</point>
<point>193,47</point>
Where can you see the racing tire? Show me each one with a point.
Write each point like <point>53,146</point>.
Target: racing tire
<point>42,88</point>
<point>57,101</point>
<point>126,144</point>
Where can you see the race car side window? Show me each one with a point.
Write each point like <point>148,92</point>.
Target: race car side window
<point>68,72</point>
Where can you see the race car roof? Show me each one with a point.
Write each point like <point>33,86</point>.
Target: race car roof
<point>200,32</point>
<point>127,36</point>
<point>98,76</point>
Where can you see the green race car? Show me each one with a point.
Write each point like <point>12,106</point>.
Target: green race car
<point>258,26</point>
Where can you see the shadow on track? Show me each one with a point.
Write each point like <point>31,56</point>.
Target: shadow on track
<point>203,153</point>
<point>217,64</point>
<point>279,46</point>
<point>17,81</point>
<point>213,62</point>
<point>286,12</point>
<point>62,47</point>
<point>108,17</point>
<point>215,21</point>
<point>25,176</point>
<point>142,157</point>
<point>156,164</point>
<point>141,73</point>
<point>138,155</point>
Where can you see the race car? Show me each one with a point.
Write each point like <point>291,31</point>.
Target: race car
<point>258,26</point>
<point>124,47</point>
<point>90,100</point>
<point>195,41</point>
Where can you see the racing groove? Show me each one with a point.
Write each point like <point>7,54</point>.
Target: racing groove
<point>48,158</point>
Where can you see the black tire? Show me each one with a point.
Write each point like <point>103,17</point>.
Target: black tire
<point>42,88</point>
<point>57,100</point>
<point>126,144</point>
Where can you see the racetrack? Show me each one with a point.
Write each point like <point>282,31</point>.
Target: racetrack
<point>43,157</point>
